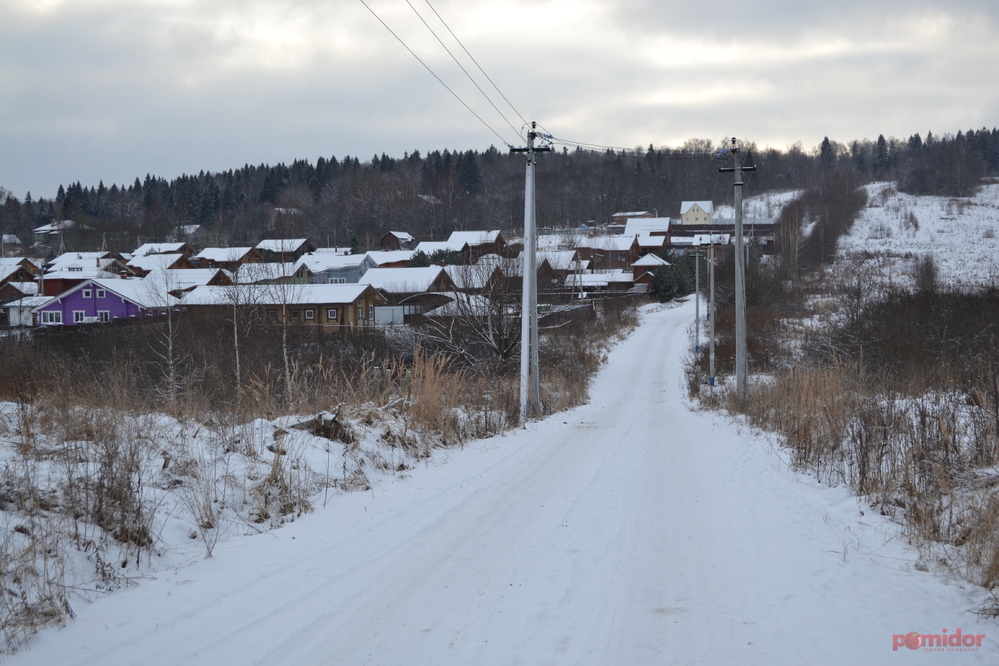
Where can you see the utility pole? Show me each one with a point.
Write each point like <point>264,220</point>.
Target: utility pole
<point>711,312</point>
<point>697,301</point>
<point>741,354</point>
<point>530,379</point>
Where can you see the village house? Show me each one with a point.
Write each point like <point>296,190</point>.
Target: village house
<point>696,212</point>
<point>164,248</point>
<point>101,301</point>
<point>479,242</point>
<point>229,258</point>
<point>391,259</point>
<point>142,265</point>
<point>284,249</point>
<point>609,252</point>
<point>330,268</point>
<point>644,267</point>
<point>397,240</point>
<point>330,307</point>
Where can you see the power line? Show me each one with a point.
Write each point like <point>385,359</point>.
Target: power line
<point>476,63</point>
<point>427,67</point>
<point>460,65</point>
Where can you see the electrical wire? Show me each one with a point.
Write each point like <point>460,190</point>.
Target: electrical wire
<point>476,62</point>
<point>474,83</point>
<point>427,67</point>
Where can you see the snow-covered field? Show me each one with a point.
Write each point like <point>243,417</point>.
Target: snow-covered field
<point>767,204</point>
<point>895,230</point>
<point>633,530</point>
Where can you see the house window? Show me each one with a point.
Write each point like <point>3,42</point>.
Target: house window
<point>272,315</point>
<point>337,280</point>
<point>75,269</point>
<point>294,315</point>
<point>310,314</point>
<point>360,312</point>
<point>104,316</point>
<point>78,316</point>
<point>86,293</point>
<point>331,314</point>
<point>101,293</point>
<point>50,317</point>
<point>371,312</point>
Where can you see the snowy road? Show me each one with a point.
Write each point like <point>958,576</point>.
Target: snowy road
<point>628,531</point>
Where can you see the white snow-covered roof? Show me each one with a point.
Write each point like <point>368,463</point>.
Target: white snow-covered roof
<point>28,302</point>
<point>475,276</point>
<point>157,248</point>
<point>253,273</point>
<point>634,213</point>
<point>60,225</point>
<point>9,265</point>
<point>651,260</point>
<point>612,243</point>
<point>561,260</point>
<point>646,225</point>
<point>280,245</point>
<point>11,239</point>
<point>318,262</point>
<point>402,235</point>
<point>462,304</point>
<point>706,206</point>
<point>592,280</point>
<point>334,250</point>
<point>184,278</point>
<point>77,259</point>
<point>266,294</point>
<point>223,253</point>
<point>150,262</point>
<point>402,280</point>
<point>651,241</point>
<point>429,247</point>
<point>473,237</point>
<point>391,256</point>
<point>26,288</point>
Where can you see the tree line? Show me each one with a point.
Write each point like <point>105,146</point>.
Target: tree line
<point>344,201</point>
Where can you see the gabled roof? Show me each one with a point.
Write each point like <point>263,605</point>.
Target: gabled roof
<point>402,235</point>
<point>402,280</point>
<point>471,277</point>
<point>651,241</point>
<point>391,256</point>
<point>60,225</point>
<point>634,213</point>
<point>429,247</point>
<point>181,279</point>
<point>593,280</point>
<point>612,243</point>
<point>651,260</point>
<point>81,259</point>
<point>473,238</point>
<point>26,288</point>
<point>706,206</point>
<point>158,248</point>
<point>253,273</point>
<point>10,265</point>
<point>318,262</point>
<point>142,293</point>
<point>219,254</point>
<point>151,262</point>
<point>646,225</point>
<point>280,245</point>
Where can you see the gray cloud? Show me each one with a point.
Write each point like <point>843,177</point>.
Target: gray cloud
<point>112,90</point>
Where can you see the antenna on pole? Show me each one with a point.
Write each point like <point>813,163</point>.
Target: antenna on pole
<point>530,381</point>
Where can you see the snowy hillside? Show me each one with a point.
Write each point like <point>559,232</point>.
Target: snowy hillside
<point>768,204</point>
<point>962,236</point>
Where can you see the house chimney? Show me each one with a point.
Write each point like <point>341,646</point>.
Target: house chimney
<point>123,275</point>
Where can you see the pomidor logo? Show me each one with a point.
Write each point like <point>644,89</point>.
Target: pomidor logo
<point>942,642</point>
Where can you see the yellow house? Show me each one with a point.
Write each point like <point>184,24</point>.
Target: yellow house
<point>696,212</point>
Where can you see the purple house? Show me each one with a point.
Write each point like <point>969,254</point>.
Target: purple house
<point>99,300</point>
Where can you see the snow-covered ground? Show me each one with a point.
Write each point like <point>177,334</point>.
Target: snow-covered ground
<point>895,230</point>
<point>633,530</point>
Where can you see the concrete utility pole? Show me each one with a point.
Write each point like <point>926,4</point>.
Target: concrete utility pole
<point>741,353</point>
<point>711,312</point>
<point>530,378</point>
<point>697,301</point>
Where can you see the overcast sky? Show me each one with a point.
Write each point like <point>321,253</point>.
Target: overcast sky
<point>109,90</point>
